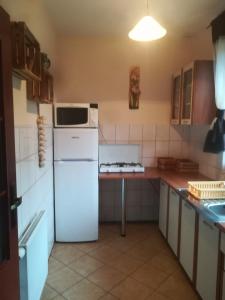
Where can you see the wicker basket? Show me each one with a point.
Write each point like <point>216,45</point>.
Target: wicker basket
<point>207,189</point>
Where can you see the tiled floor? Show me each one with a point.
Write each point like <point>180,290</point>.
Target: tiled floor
<point>139,266</point>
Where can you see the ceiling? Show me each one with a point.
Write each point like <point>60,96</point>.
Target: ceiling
<point>117,17</point>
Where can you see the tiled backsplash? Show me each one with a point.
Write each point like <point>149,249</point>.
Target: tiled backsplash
<point>34,184</point>
<point>141,200</point>
<point>154,140</point>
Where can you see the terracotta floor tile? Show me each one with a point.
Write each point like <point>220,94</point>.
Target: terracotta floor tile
<point>85,265</point>
<point>166,263</point>
<point>48,293</point>
<point>105,253</point>
<point>63,279</point>
<point>130,289</point>
<point>122,244</point>
<point>125,263</point>
<point>59,297</point>
<point>143,253</point>
<point>84,290</point>
<point>106,277</point>
<point>108,297</point>
<point>156,296</point>
<point>66,254</point>
<point>150,276</point>
<point>54,265</point>
<point>176,289</point>
<point>87,247</point>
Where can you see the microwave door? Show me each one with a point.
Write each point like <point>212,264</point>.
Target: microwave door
<point>72,116</point>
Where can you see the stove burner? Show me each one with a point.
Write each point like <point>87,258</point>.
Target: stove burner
<point>121,167</point>
<point>121,164</point>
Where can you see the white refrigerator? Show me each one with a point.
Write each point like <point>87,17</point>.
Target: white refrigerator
<point>76,184</point>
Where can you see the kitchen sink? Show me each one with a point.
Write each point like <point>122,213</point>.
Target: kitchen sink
<point>216,210</point>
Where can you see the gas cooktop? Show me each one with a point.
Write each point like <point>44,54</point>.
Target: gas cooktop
<point>121,167</point>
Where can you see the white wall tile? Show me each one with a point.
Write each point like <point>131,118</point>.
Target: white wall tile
<point>28,141</point>
<point>148,149</point>
<point>17,143</point>
<point>162,149</point>
<point>175,149</point>
<point>109,132</point>
<point>133,198</point>
<point>176,133</point>
<point>162,132</point>
<point>28,173</point>
<point>149,162</point>
<point>149,132</point>
<point>122,132</point>
<point>18,179</point>
<point>133,213</point>
<point>135,133</point>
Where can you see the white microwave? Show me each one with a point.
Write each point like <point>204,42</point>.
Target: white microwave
<point>76,115</point>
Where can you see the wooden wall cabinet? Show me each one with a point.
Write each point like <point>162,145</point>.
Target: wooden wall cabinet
<point>25,52</point>
<point>197,104</point>
<point>41,91</point>
<point>176,98</point>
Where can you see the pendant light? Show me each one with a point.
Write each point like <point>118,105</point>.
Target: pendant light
<point>147,29</point>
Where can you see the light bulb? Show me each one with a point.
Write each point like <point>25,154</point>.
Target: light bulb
<point>147,29</point>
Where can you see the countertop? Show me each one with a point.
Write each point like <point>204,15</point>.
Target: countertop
<point>175,179</point>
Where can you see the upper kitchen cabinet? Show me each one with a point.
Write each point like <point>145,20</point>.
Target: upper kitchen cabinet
<point>176,98</point>
<point>26,52</point>
<point>196,105</point>
<point>41,91</point>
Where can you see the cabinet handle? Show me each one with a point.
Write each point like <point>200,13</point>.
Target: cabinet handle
<point>208,225</point>
<point>188,206</point>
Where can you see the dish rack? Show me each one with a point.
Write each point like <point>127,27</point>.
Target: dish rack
<point>207,189</point>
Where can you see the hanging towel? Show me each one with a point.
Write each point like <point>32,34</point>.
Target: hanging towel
<point>215,139</point>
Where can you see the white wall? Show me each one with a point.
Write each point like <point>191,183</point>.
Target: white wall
<point>34,184</point>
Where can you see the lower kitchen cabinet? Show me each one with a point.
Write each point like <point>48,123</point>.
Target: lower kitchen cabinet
<point>207,261</point>
<point>163,206</point>
<point>187,238</point>
<point>173,220</point>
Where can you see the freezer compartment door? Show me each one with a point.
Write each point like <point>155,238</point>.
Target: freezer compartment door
<point>72,144</point>
<point>76,201</point>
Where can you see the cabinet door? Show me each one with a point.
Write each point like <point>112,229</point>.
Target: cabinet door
<point>208,244</point>
<point>163,205</point>
<point>173,222</point>
<point>176,99</point>
<point>187,93</point>
<point>187,238</point>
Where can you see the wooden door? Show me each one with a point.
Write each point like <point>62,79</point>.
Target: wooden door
<point>9,278</point>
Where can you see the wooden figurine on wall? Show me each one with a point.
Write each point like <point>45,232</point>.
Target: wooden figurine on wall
<point>134,89</point>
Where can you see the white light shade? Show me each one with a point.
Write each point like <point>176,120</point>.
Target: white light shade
<point>147,29</point>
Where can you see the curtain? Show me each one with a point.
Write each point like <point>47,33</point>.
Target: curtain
<point>215,139</point>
